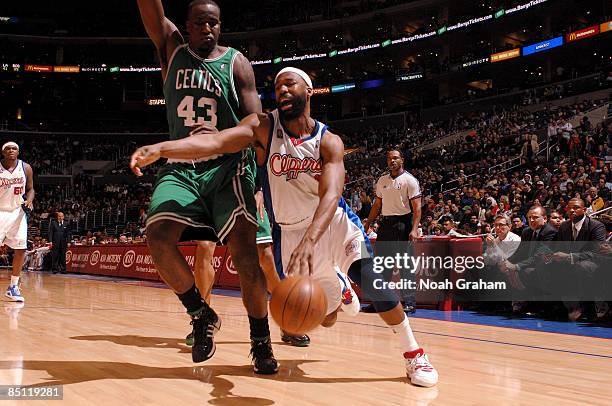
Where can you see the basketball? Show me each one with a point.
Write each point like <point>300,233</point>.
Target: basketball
<point>298,305</point>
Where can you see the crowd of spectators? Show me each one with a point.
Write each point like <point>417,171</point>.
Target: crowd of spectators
<point>579,166</point>
<point>471,162</point>
<point>490,139</point>
<point>55,154</point>
<point>467,182</point>
<point>492,201</point>
<point>114,208</point>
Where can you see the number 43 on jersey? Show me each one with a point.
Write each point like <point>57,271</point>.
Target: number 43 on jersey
<point>186,110</point>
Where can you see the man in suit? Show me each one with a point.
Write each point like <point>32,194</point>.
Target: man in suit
<point>59,237</point>
<point>520,267</point>
<point>539,230</point>
<point>576,269</point>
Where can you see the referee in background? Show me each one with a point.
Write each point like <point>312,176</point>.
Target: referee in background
<point>398,197</point>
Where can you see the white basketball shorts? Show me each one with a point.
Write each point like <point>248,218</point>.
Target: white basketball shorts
<point>14,229</point>
<point>340,246</point>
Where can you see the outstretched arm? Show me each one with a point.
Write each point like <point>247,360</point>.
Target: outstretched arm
<point>204,141</point>
<point>162,31</point>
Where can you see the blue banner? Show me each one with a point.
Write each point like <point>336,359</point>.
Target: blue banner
<point>342,88</point>
<point>369,84</point>
<point>543,46</point>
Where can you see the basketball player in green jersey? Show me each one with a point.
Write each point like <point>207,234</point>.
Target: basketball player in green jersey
<point>212,198</point>
<point>204,271</point>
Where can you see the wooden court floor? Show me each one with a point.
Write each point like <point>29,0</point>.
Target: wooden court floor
<point>108,343</point>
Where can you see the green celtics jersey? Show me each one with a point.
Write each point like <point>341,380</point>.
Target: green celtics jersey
<point>199,90</point>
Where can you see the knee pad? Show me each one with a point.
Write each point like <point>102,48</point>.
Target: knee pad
<point>362,273</point>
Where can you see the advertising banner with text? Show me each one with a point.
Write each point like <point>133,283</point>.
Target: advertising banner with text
<point>585,33</point>
<point>133,261</point>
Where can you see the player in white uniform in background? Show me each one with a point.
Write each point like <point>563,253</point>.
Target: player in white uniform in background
<point>312,225</point>
<point>16,181</point>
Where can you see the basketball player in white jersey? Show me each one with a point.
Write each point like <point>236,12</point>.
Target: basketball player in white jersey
<point>16,181</point>
<point>313,229</point>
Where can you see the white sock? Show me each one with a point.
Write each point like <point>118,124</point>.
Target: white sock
<point>14,280</point>
<point>407,341</point>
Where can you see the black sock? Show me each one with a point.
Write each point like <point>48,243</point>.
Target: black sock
<point>192,300</point>
<point>260,329</point>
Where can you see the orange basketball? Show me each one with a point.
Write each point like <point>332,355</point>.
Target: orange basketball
<point>298,305</point>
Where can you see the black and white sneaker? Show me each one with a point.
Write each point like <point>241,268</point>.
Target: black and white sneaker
<point>264,362</point>
<point>409,309</point>
<point>296,341</point>
<point>205,325</point>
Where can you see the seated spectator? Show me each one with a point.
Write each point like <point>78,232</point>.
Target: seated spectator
<point>485,228</point>
<point>372,231</point>
<point>446,212</point>
<point>517,225</point>
<point>520,267</point>
<point>504,244</point>
<point>473,226</point>
<point>576,267</point>
<point>596,203</point>
<point>555,219</point>
<point>450,229</point>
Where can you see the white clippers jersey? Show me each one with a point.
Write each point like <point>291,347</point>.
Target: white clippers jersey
<point>12,187</point>
<point>293,168</point>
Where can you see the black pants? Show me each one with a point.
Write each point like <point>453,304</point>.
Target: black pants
<point>392,238</point>
<point>58,257</point>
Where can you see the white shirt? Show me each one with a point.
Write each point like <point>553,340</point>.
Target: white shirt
<point>457,234</point>
<point>567,126</point>
<point>482,216</point>
<point>396,193</point>
<point>503,249</point>
<point>578,226</point>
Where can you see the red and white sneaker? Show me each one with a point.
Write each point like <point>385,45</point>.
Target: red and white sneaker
<point>419,369</point>
<point>349,300</point>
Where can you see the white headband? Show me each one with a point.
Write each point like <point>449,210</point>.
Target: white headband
<point>10,144</point>
<point>298,72</point>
